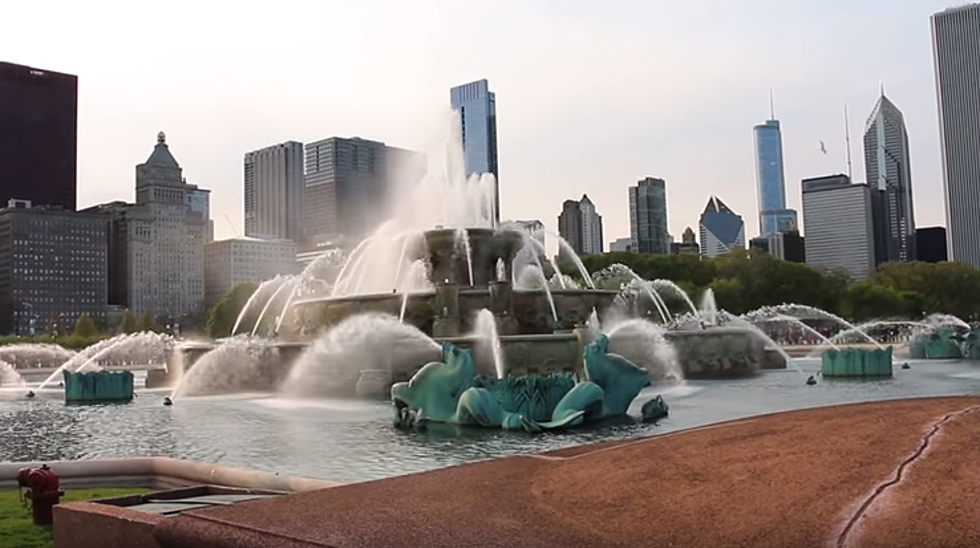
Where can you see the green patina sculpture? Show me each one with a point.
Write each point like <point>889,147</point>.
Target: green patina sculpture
<point>449,392</point>
<point>856,362</point>
<point>971,344</point>
<point>98,387</point>
<point>942,344</point>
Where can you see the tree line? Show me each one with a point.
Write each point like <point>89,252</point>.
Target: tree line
<point>744,280</point>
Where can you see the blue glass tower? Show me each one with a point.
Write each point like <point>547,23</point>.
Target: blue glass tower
<point>773,215</point>
<point>477,108</point>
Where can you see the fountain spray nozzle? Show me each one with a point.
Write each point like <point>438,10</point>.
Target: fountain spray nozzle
<point>167,401</point>
<point>811,380</point>
<point>30,394</point>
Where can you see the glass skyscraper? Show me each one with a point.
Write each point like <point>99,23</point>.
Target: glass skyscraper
<point>477,109</point>
<point>773,215</point>
<point>648,217</point>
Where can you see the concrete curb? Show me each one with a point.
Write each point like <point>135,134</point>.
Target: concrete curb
<point>161,473</point>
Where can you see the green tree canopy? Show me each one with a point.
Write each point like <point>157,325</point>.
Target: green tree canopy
<point>222,316</point>
<point>146,322</point>
<point>85,327</point>
<point>129,323</point>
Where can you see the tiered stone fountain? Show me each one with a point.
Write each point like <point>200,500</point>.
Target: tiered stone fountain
<point>540,331</point>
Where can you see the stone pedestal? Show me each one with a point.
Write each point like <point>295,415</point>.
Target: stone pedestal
<point>446,323</point>
<point>502,306</point>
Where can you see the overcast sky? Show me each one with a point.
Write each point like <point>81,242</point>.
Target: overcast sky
<point>591,95</point>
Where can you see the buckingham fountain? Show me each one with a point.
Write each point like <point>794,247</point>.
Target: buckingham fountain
<point>467,295</point>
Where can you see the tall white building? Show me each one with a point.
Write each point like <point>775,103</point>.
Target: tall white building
<point>956,56</point>
<point>156,247</point>
<point>888,170</point>
<point>592,242</point>
<point>274,186</point>
<point>838,224</point>
<point>241,260</point>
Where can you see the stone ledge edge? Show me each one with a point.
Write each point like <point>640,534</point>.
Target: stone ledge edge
<point>161,473</point>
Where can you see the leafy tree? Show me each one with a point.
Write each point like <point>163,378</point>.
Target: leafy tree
<point>950,288</point>
<point>85,327</point>
<point>222,316</point>
<point>146,322</point>
<point>129,323</point>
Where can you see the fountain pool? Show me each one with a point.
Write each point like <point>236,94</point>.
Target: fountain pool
<point>354,439</point>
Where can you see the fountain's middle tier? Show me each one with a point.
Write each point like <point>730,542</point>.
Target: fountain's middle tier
<point>450,310</point>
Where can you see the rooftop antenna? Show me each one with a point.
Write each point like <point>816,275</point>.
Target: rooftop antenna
<point>772,108</point>
<point>847,142</point>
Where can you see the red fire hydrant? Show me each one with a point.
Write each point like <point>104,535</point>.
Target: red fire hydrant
<point>43,490</point>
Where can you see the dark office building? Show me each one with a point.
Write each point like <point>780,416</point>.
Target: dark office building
<point>53,267</point>
<point>38,130</point>
<point>349,184</point>
<point>570,225</point>
<point>930,244</point>
<point>788,246</point>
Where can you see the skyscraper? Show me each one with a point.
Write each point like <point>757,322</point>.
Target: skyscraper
<point>770,178</point>
<point>156,246</point>
<point>722,230</point>
<point>591,227</point>
<point>570,225</point>
<point>888,171</point>
<point>956,56</point>
<point>38,135</point>
<point>581,226</point>
<point>838,222</point>
<point>477,109</point>
<point>348,186</point>
<point>274,192</point>
<point>648,217</point>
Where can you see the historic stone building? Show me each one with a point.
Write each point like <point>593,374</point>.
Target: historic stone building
<point>156,247</point>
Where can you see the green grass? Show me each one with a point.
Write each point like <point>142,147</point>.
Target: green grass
<point>17,529</point>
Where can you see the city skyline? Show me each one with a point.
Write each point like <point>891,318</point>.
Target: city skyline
<point>548,142</point>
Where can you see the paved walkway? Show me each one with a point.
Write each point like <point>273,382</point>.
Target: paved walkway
<point>901,473</point>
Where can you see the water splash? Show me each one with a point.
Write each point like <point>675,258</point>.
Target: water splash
<point>485,327</point>
<point>130,347</point>
<point>644,343</point>
<point>709,308</point>
<point>9,377</point>
<point>334,361</point>
<point>239,364</point>
<point>798,310</point>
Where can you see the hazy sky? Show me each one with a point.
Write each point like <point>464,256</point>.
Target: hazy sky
<point>591,96</point>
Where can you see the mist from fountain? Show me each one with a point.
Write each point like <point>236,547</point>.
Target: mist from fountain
<point>648,347</point>
<point>233,366</point>
<point>871,326</point>
<point>802,309</point>
<point>796,322</point>
<point>740,321</point>
<point>485,327</point>
<point>104,349</point>
<point>942,320</point>
<point>144,348</point>
<point>28,355</point>
<point>363,342</point>
<point>9,377</point>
